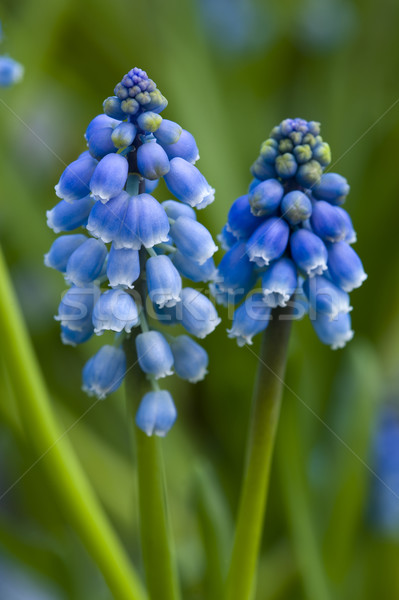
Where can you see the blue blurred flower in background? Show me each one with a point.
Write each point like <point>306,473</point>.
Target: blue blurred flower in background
<point>138,247</point>
<point>291,232</point>
<point>11,71</point>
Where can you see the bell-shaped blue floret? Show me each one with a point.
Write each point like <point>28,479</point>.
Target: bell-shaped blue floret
<point>296,207</point>
<point>235,273</point>
<point>226,238</point>
<point>112,107</point>
<point>104,372</point>
<point>193,270</point>
<point>309,252</point>
<point>325,297</point>
<point>198,315</point>
<point>345,267</point>
<point>152,160</point>
<point>11,71</point>
<point>335,333</point>
<point>86,263</point>
<point>185,147</point>
<point>279,282</point>
<point>250,318</point>
<point>268,242</point>
<point>266,197</point>
<point>115,311</point>
<point>163,281</point>
<point>190,359</point>
<point>109,178</point>
<point>105,220</point>
<point>75,180</point>
<point>169,133</point>
<point>156,413</point>
<point>76,307</point>
<point>263,170</point>
<point>100,142</point>
<point>123,267</point>
<point>175,209</point>
<point>240,220</point>
<point>332,187</point>
<point>188,185</point>
<point>61,249</point>
<point>100,122</point>
<point>71,337</point>
<point>350,233</point>
<point>123,135</point>
<point>67,217</point>
<point>327,222</point>
<point>192,239</point>
<point>154,354</point>
<point>149,121</point>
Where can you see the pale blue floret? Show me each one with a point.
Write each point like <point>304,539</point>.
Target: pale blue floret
<point>123,267</point>
<point>268,242</point>
<point>67,217</point>
<point>335,333</point>
<point>106,220</point>
<point>332,187</point>
<point>235,273</point>
<point>100,142</point>
<point>190,359</point>
<point>156,413</point>
<point>175,209</point>
<point>279,282</point>
<point>86,262</point>
<point>163,281</point>
<point>109,177</point>
<point>309,174</point>
<point>74,182</point>
<point>112,107</point>
<point>71,337</point>
<point>198,315</point>
<point>226,238</point>
<point>327,222</point>
<point>350,233</point>
<point>240,220</point>
<point>100,122</point>
<point>266,197</point>
<point>149,121</point>
<point>188,184</point>
<point>193,270</point>
<point>192,239</point>
<point>286,165</point>
<point>169,133</point>
<point>345,267</point>
<point>11,71</point>
<point>61,249</point>
<point>250,318</point>
<point>185,147</point>
<point>104,372</point>
<point>309,252</point>
<point>123,135</point>
<point>115,311</point>
<point>76,307</point>
<point>325,297</point>
<point>296,207</point>
<point>152,160</point>
<point>154,354</point>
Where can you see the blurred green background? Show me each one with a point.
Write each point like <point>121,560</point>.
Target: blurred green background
<point>230,70</point>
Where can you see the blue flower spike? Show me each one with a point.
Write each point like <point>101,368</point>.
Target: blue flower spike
<point>126,255</point>
<point>290,235</point>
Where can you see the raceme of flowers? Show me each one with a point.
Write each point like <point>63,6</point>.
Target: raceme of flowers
<point>125,264</point>
<point>11,71</point>
<point>291,232</point>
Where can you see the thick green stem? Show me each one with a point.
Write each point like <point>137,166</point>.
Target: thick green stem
<point>55,452</point>
<point>265,414</point>
<point>155,531</point>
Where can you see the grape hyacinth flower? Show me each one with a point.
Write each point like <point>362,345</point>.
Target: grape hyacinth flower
<point>126,260</point>
<point>11,71</point>
<point>291,233</point>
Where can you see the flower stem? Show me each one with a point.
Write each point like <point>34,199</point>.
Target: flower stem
<point>265,414</point>
<point>54,450</point>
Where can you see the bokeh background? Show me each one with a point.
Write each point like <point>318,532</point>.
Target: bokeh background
<point>231,69</point>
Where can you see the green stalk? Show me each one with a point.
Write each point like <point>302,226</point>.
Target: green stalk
<point>155,531</point>
<point>265,414</point>
<point>54,450</point>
